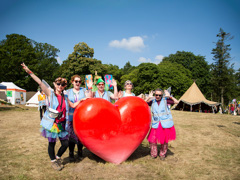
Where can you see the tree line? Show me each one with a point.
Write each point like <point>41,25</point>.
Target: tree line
<point>218,81</point>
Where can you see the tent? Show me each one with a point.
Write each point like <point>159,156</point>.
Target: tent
<point>33,101</point>
<point>3,87</point>
<point>15,94</point>
<point>193,100</point>
<point>3,93</point>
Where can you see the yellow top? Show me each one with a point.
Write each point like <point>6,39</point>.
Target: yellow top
<point>41,97</point>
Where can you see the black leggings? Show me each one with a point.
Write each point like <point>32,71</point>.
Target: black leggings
<point>62,149</point>
<point>41,113</point>
<point>72,146</point>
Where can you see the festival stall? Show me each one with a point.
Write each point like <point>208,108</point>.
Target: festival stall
<point>15,94</point>
<point>3,90</point>
<point>193,100</point>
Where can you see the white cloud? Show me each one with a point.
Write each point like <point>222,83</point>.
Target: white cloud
<point>59,60</point>
<point>157,60</point>
<point>134,44</point>
<point>144,60</point>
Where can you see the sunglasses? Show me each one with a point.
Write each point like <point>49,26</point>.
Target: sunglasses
<point>77,82</point>
<point>63,84</point>
<point>128,83</point>
<point>101,84</point>
<point>158,95</point>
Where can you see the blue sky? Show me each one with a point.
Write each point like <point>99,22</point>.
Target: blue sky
<point>125,30</point>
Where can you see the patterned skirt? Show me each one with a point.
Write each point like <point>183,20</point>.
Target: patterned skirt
<point>71,132</point>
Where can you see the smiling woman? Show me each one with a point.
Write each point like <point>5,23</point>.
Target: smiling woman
<point>75,95</point>
<point>53,127</point>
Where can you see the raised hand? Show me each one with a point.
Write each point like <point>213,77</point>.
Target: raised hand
<point>166,93</point>
<point>120,94</point>
<point>151,94</point>
<point>114,82</point>
<point>90,84</point>
<point>25,68</point>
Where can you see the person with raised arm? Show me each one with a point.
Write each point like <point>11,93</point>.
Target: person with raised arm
<point>128,86</point>
<point>54,123</point>
<point>108,95</point>
<point>162,129</point>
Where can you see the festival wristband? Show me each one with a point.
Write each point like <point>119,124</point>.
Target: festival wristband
<point>30,72</point>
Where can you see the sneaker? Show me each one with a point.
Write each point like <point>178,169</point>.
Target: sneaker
<point>154,157</point>
<point>60,163</point>
<point>162,158</point>
<point>56,166</point>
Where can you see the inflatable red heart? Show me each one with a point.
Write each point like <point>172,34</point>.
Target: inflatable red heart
<point>112,132</point>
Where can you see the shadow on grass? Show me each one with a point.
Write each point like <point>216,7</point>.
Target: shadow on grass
<point>141,152</point>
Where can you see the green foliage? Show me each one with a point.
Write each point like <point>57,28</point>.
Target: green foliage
<point>198,66</point>
<point>222,72</point>
<point>148,76</point>
<point>39,57</point>
<point>127,68</point>
<point>81,62</point>
<point>115,71</point>
<point>176,76</point>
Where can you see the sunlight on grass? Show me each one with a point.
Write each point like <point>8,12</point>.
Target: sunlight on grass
<point>207,147</point>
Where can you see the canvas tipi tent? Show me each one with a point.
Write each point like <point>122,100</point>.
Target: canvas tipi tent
<point>194,100</point>
<point>15,94</point>
<point>33,101</point>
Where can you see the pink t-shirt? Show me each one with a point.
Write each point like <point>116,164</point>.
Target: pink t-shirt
<point>59,97</point>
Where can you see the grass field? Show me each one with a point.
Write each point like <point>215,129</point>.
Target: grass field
<point>207,147</point>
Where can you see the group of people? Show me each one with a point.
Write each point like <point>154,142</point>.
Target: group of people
<point>57,121</point>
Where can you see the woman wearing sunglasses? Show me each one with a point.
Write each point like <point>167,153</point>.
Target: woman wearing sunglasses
<point>54,122</point>
<point>162,130</point>
<point>75,95</point>
<point>128,86</point>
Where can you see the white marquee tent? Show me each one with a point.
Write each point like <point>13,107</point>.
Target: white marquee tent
<point>15,94</point>
<point>33,101</point>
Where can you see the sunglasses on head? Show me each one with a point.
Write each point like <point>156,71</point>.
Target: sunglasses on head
<point>62,84</point>
<point>158,95</point>
<point>77,81</point>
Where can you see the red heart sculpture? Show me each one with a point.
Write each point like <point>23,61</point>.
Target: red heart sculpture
<point>112,132</point>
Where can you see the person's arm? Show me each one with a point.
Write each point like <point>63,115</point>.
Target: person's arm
<point>149,97</point>
<point>74,105</point>
<point>35,78</point>
<point>170,97</point>
<point>115,95</point>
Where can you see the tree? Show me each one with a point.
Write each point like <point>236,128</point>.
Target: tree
<point>127,68</point>
<point>14,50</point>
<point>197,65</point>
<point>81,62</point>
<point>39,57</point>
<point>176,76</point>
<point>222,71</point>
<point>47,64</point>
<point>115,71</point>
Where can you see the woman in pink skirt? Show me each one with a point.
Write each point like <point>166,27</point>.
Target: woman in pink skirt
<point>162,130</point>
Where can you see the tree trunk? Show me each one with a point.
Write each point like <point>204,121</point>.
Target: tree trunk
<point>222,100</point>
